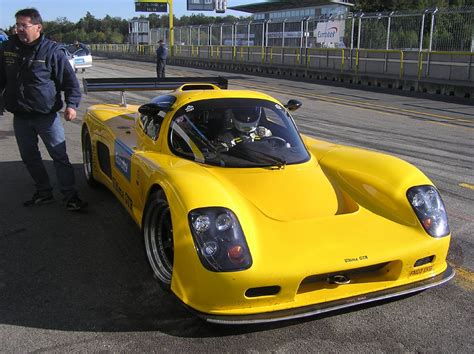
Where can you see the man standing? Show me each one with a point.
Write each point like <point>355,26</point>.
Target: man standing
<point>78,45</point>
<point>161,55</point>
<point>33,72</point>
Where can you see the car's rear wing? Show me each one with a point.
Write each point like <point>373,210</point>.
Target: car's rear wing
<point>150,84</point>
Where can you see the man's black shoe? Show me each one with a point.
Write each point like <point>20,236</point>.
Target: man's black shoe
<point>38,199</point>
<point>74,203</point>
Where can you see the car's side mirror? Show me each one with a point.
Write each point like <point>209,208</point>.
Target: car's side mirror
<point>150,109</point>
<point>293,105</point>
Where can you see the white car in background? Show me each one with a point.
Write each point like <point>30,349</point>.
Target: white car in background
<point>79,57</point>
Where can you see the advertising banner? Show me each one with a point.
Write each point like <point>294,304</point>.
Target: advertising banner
<point>329,32</point>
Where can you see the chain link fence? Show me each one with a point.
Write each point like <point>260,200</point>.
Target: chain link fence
<point>450,30</point>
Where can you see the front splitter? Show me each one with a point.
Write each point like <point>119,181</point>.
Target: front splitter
<point>311,310</point>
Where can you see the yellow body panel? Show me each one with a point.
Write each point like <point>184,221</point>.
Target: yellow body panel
<point>345,208</point>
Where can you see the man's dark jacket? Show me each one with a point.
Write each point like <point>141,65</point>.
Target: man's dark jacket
<point>32,78</point>
<point>161,53</point>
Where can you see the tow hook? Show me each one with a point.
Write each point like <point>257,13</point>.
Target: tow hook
<point>339,279</point>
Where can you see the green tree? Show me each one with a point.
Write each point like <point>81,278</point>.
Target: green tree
<point>395,5</point>
<point>115,37</point>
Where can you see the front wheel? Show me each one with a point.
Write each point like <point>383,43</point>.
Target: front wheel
<point>158,237</point>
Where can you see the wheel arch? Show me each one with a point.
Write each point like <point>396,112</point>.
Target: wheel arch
<point>154,188</point>
<point>84,128</point>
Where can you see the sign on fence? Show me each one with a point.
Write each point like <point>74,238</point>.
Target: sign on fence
<point>329,32</point>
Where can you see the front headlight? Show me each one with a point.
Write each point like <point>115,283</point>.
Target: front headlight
<point>430,210</point>
<point>219,239</point>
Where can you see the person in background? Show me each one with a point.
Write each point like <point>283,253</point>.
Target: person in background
<point>33,73</point>
<point>161,55</point>
<point>79,46</point>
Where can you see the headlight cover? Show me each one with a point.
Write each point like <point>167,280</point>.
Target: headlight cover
<point>430,210</point>
<point>219,239</point>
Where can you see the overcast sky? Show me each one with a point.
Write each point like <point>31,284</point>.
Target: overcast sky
<point>73,10</point>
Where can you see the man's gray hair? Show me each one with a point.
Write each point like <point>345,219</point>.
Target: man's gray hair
<point>32,13</point>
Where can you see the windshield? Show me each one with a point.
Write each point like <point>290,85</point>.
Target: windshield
<point>236,133</point>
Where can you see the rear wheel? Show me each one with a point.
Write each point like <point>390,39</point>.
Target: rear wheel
<point>87,158</point>
<point>158,237</point>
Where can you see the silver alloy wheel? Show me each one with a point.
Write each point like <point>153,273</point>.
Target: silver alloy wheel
<point>158,237</point>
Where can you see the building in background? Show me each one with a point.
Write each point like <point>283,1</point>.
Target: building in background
<point>139,31</point>
<point>286,22</point>
<point>294,10</point>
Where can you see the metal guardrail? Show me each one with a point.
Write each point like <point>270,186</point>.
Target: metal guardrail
<point>401,64</point>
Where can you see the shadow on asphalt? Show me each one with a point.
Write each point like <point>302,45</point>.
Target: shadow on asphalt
<point>86,271</point>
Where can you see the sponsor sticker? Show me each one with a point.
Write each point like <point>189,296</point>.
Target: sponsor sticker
<point>123,156</point>
<point>421,270</point>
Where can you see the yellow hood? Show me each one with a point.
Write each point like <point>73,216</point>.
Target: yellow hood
<point>309,195</point>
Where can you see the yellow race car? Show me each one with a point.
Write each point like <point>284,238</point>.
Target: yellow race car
<point>245,219</point>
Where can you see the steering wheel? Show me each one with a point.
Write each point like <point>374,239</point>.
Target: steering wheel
<point>275,141</point>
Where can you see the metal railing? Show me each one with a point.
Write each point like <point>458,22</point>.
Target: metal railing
<point>436,45</point>
<point>395,63</point>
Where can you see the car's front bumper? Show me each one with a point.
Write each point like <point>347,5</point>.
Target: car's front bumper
<point>316,309</point>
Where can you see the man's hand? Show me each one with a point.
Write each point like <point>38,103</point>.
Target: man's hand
<point>69,114</point>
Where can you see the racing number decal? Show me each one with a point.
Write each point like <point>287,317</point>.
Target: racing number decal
<point>125,197</point>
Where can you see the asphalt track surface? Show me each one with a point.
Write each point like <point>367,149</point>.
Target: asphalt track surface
<point>77,282</point>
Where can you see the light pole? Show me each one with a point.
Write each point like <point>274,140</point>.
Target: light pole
<point>171,34</point>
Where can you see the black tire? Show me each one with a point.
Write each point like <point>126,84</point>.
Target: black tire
<point>158,237</point>
<point>87,159</point>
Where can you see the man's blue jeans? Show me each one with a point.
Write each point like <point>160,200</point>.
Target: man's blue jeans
<point>51,131</point>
